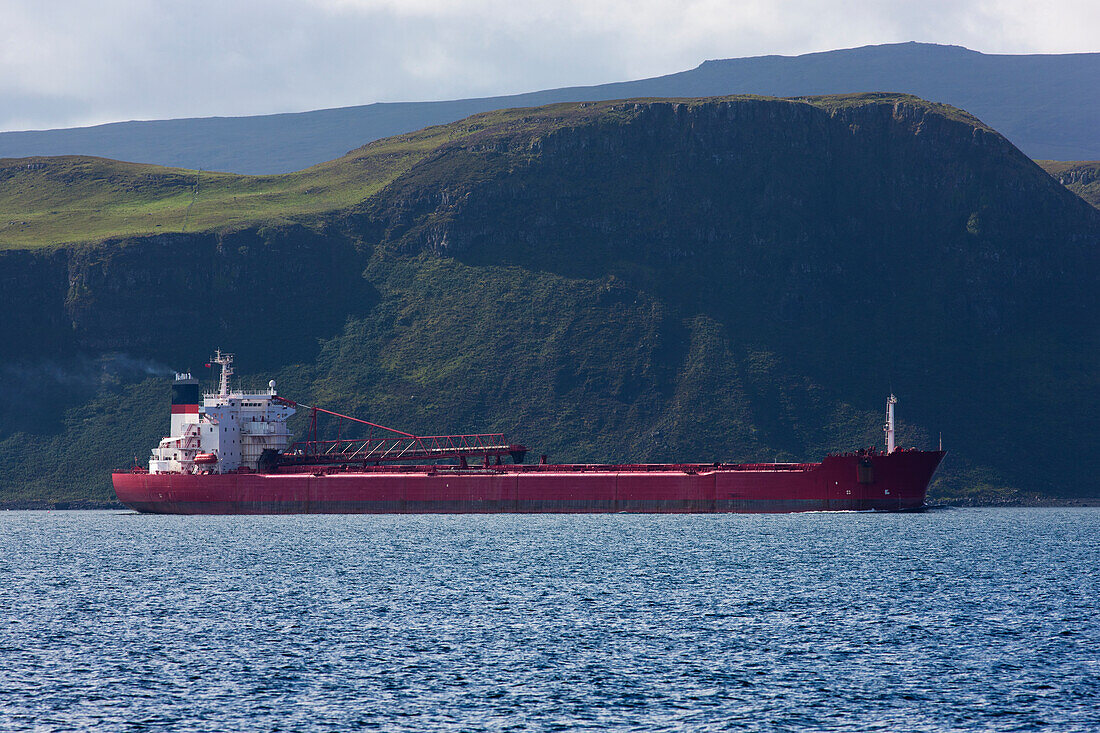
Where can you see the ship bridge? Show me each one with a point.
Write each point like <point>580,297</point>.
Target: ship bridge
<point>234,430</point>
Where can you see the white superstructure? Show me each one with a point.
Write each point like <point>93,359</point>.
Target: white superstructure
<point>229,431</point>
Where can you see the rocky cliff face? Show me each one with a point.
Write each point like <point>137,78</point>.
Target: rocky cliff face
<point>170,296</point>
<point>80,319</point>
<point>1081,177</point>
<point>868,244</point>
<point>702,280</point>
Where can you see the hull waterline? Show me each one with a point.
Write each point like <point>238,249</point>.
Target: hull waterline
<point>894,482</point>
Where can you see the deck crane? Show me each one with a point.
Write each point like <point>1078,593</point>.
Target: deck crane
<point>387,445</point>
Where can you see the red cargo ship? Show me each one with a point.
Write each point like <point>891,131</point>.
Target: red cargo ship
<point>232,455</point>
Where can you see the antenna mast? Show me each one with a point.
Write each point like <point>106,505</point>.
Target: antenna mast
<point>226,363</point>
<point>889,427</point>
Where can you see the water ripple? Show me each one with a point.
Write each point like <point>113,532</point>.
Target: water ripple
<point>955,620</point>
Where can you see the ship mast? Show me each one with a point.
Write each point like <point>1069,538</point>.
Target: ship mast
<point>889,427</point>
<point>226,363</point>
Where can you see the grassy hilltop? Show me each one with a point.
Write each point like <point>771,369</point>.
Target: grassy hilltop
<point>712,279</point>
<point>72,199</point>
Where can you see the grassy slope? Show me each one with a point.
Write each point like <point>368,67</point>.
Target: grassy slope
<point>663,373</point>
<point>579,366</point>
<point>72,199</point>
<point>1082,177</point>
<point>574,387</point>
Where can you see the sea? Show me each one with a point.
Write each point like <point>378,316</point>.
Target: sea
<point>949,620</point>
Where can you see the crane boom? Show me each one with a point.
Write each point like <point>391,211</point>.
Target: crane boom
<point>393,446</point>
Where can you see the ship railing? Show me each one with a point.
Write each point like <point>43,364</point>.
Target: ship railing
<point>373,450</point>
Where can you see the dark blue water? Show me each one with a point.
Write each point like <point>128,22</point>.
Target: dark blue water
<point>951,620</point>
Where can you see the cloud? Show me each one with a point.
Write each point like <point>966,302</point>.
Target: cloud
<point>124,59</point>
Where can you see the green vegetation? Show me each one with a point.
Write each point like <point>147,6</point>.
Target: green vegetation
<point>45,201</point>
<point>583,370</point>
<point>729,279</point>
<point>72,199</point>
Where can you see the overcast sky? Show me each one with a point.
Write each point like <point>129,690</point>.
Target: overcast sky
<point>68,62</point>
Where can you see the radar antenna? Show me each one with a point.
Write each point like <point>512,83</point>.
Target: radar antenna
<point>225,361</point>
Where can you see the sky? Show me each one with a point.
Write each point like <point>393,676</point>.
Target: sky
<point>66,63</point>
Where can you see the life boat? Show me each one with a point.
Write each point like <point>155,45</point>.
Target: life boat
<point>204,459</point>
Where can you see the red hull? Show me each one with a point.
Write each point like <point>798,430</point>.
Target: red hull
<point>895,482</point>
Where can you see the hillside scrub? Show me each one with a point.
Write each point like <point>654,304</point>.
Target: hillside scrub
<point>719,279</point>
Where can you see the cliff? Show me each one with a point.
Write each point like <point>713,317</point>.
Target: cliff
<point>718,279</point>
<point>1082,177</point>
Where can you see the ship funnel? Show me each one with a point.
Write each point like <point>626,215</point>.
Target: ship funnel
<point>889,427</point>
<point>185,403</point>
